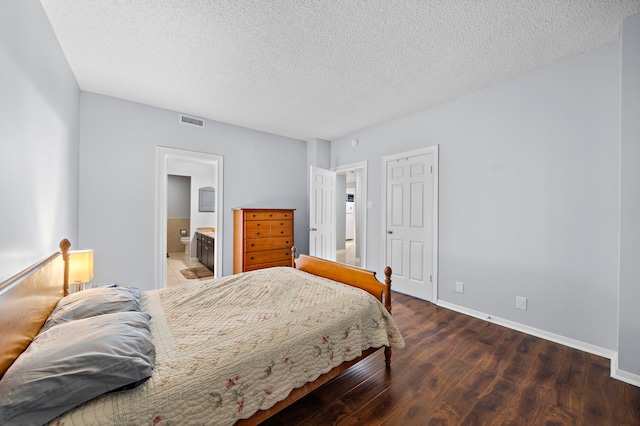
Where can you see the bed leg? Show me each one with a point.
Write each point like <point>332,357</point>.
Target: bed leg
<point>387,293</point>
<point>387,304</point>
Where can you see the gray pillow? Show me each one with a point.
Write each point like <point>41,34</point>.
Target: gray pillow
<point>74,362</point>
<point>92,302</point>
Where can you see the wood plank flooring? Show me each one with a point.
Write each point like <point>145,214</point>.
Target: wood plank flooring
<point>459,370</point>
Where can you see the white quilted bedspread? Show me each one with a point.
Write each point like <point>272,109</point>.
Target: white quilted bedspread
<point>229,347</point>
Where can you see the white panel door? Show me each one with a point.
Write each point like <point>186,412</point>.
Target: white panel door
<point>322,214</point>
<point>409,227</point>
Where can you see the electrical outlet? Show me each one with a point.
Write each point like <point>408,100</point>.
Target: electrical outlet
<point>459,287</point>
<point>521,303</point>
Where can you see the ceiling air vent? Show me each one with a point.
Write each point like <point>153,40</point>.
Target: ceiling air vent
<point>185,119</point>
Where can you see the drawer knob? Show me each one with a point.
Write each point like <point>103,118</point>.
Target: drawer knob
<point>251,244</point>
<point>258,233</point>
<point>251,257</point>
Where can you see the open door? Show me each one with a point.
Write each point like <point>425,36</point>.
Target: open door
<point>322,214</point>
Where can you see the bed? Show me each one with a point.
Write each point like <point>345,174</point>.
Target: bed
<point>235,350</point>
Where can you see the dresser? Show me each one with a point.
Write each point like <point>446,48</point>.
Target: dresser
<point>262,238</point>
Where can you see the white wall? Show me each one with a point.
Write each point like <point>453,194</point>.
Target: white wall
<point>629,334</point>
<point>117,175</point>
<point>528,194</point>
<point>39,100</point>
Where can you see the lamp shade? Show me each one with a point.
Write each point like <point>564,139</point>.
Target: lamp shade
<point>80,266</point>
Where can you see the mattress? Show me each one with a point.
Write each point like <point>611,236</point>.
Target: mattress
<point>232,346</point>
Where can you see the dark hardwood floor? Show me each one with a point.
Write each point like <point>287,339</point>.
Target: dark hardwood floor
<point>459,370</point>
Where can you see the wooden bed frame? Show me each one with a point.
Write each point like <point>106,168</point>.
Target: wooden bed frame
<point>27,299</point>
<point>345,274</point>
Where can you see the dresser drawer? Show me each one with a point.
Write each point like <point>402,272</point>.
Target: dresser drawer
<point>258,233</point>
<point>259,244</point>
<point>268,265</point>
<point>253,215</point>
<point>254,226</point>
<point>270,214</point>
<point>281,228</point>
<point>282,232</point>
<point>285,215</point>
<point>255,258</point>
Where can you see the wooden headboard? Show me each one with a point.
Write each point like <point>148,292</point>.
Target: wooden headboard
<point>27,299</point>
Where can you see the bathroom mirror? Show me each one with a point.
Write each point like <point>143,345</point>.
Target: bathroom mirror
<point>207,199</point>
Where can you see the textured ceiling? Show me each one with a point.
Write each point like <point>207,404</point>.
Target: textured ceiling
<point>318,68</point>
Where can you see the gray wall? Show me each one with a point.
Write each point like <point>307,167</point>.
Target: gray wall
<point>629,334</point>
<point>39,100</point>
<point>178,196</point>
<point>529,175</point>
<point>118,169</point>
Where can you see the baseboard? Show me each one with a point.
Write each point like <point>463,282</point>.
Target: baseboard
<point>621,375</point>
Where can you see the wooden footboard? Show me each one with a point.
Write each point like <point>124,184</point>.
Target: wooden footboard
<point>345,274</point>
<point>301,392</point>
<point>350,275</point>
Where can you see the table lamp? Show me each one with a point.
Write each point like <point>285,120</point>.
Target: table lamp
<point>80,268</point>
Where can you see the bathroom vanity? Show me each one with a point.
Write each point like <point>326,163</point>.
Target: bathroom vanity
<point>205,247</point>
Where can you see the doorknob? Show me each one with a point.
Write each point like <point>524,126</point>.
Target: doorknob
<point>389,232</point>
<point>313,229</point>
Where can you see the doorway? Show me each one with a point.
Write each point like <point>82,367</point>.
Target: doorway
<point>410,221</point>
<point>351,227</point>
<point>203,169</point>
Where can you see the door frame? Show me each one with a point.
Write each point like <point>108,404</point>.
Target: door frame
<point>163,155</point>
<point>362,165</point>
<point>433,150</point>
